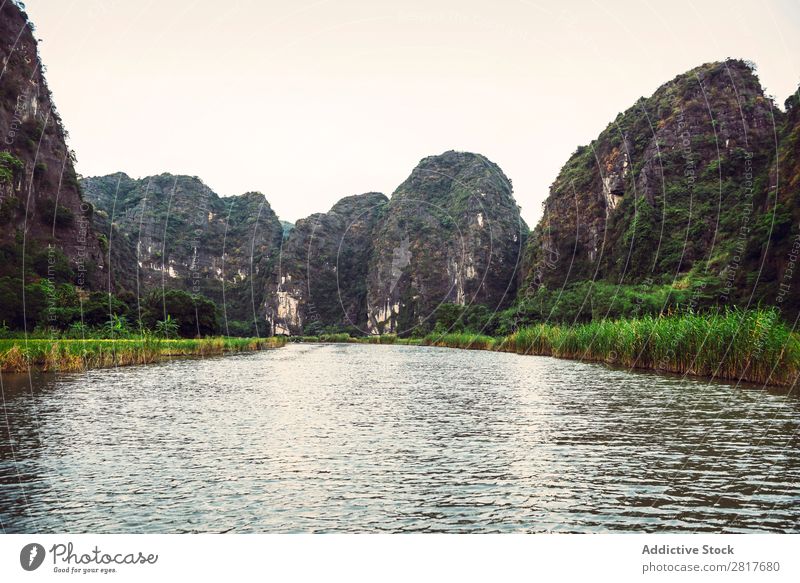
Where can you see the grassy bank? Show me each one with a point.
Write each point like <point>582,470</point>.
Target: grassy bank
<point>18,354</point>
<point>753,346</point>
<point>337,338</point>
<point>741,345</point>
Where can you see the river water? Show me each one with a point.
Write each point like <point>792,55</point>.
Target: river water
<point>365,438</point>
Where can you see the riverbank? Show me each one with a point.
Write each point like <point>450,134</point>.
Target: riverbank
<point>752,346</point>
<point>68,355</point>
<point>341,418</point>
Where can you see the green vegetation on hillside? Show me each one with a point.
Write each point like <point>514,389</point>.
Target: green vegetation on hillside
<point>173,231</point>
<point>52,307</point>
<point>10,166</point>
<point>683,190</point>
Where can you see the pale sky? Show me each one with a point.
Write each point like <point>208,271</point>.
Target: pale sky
<point>310,101</point>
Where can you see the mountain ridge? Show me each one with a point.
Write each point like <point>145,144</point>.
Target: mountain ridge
<point>688,199</point>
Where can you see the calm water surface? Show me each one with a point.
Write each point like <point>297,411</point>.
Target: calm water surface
<point>393,438</point>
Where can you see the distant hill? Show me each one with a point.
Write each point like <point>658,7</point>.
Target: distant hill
<point>688,200</point>
<point>452,234</point>
<point>287,228</point>
<point>175,232</point>
<point>320,277</point>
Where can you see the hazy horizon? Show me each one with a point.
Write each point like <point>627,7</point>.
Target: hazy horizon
<point>311,102</point>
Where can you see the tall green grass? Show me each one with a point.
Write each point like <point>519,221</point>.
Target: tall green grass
<point>748,345</point>
<point>344,337</point>
<point>391,339</point>
<point>466,340</point>
<point>742,345</point>
<point>19,354</point>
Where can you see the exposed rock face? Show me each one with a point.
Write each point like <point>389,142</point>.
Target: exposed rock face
<point>452,233</point>
<point>175,231</point>
<point>773,248</point>
<point>321,272</point>
<point>40,199</point>
<point>699,182</point>
<point>664,189</point>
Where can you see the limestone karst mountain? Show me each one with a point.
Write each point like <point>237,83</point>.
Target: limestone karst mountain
<point>688,188</point>
<point>175,232</point>
<point>320,277</point>
<point>688,199</point>
<point>452,233</point>
<point>43,219</point>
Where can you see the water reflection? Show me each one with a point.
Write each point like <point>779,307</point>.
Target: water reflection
<point>393,438</point>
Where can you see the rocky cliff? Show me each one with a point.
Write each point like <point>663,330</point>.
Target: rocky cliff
<point>320,278</point>
<point>452,233</point>
<point>41,209</point>
<point>771,274</point>
<point>174,231</point>
<point>672,187</point>
<point>691,196</point>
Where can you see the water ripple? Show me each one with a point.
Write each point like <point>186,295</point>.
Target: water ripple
<point>355,438</point>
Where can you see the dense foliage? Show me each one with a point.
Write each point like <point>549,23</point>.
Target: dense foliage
<point>80,354</point>
<point>173,231</point>
<point>741,345</point>
<point>42,308</point>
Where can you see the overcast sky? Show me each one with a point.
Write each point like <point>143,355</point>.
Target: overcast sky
<point>308,102</point>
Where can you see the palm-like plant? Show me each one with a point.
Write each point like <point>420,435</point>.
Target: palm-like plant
<point>167,328</point>
<point>116,327</point>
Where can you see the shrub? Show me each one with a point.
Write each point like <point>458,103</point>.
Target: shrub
<point>53,213</point>
<point>10,166</point>
<point>167,328</point>
<point>8,208</point>
<point>196,315</point>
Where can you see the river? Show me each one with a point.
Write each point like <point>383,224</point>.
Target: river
<point>368,438</point>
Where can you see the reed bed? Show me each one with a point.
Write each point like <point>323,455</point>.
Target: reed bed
<point>344,337</point>
<point>465,340</point>
<point>382,339</point>
<point>391,339</point>
<point>747,345</point>
<point>66,355</point>
<point>326,338</point>
<point>741,345</point>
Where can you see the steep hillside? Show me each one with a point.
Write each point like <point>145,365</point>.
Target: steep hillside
<point>688,199</point>
<point>43,219</point>
<point>668,195</point>
<point>452,234</point>
<point>320,279</point>
<point>174,231</point>
<point>771,273</point>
